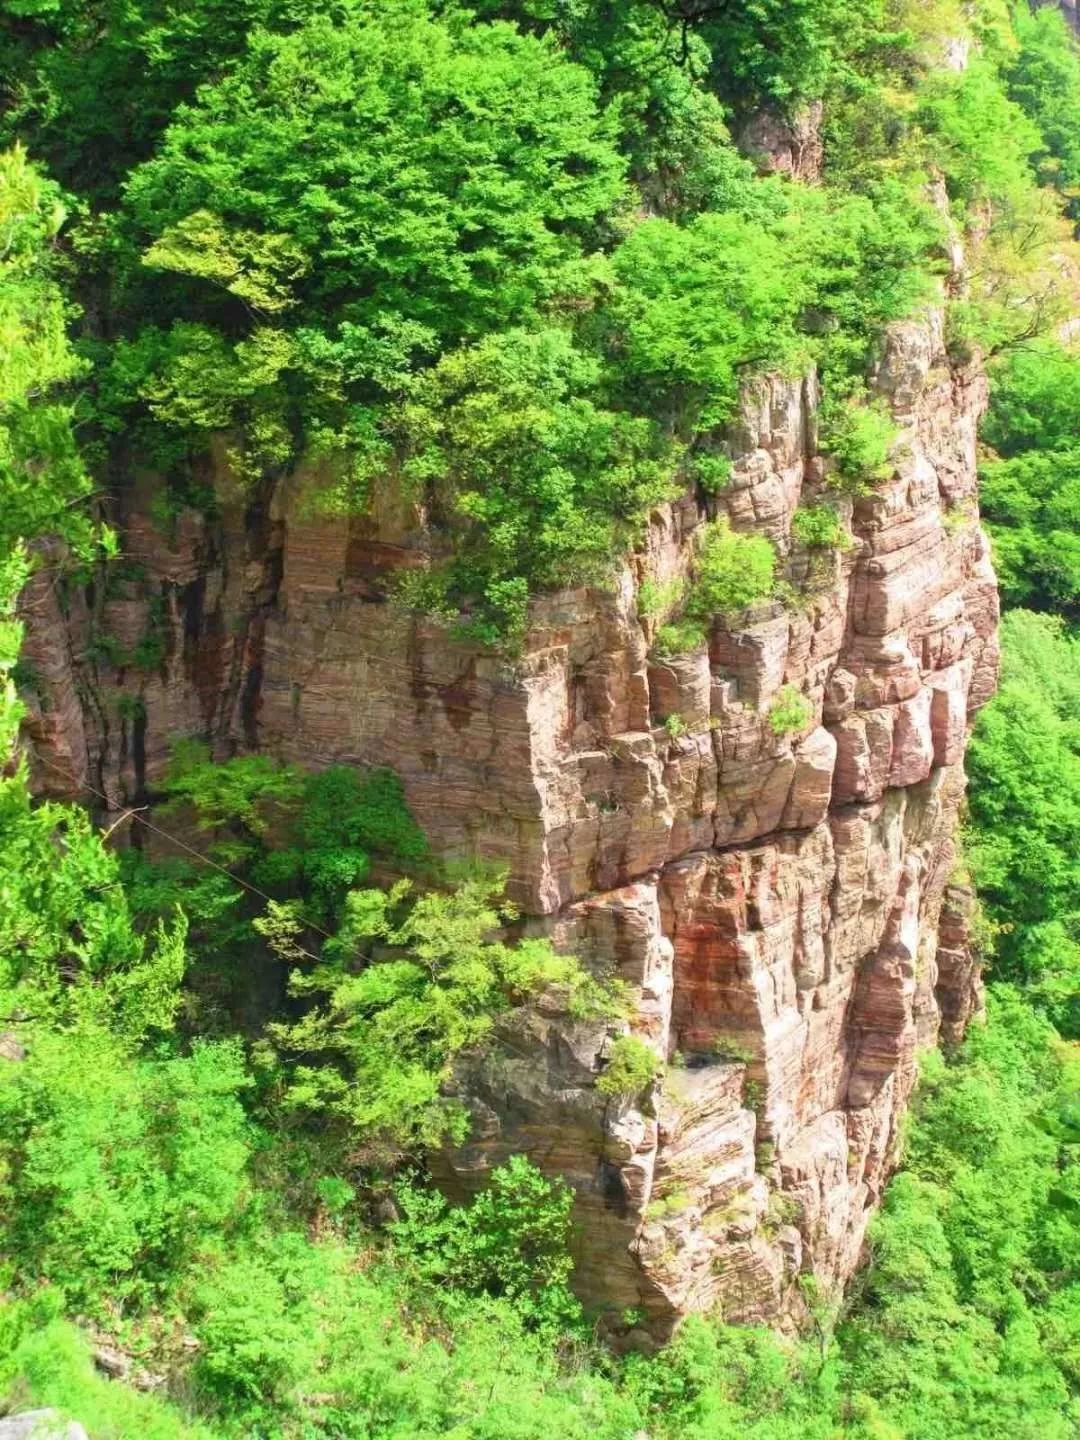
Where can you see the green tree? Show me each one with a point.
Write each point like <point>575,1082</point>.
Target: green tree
<point>963,1325</point>
<point>406,986</point>
<point>377,190</point>
<point>541,481</point>
<point>1043,78</point>
<point>697,306</point>
<point>1025,808</point>
<point>42,477</point>
<point>1031,488</point>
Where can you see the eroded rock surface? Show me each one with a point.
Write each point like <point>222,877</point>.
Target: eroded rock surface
<point>782,907</point>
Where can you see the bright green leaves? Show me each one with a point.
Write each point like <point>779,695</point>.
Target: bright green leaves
<point>435,172</point>
<point>1035,401</point>
<point>14,572</point>
<point>41,472</point>
<point>1032,506</point>
<point>1030,496</point>
<point>379,247</point>
<point>731,571</point>
<point>858,438</point>
<point>236,792</point>
<point>542,480</point>
<point>785,50</point>
<point>67,943</point>
<point>791,711</point>
<point>1024,762</point>
<point>406,986</point>
<point>984,138</point>
<point>1043,77</point>
<point>512,1242</point>
<point>972,1287</point>
<point>695,307</point>
<point>632,1066</point>
<point>258,269</point>
<point>115,1172</point>
<point>370,194</point>
<point>819,527</point>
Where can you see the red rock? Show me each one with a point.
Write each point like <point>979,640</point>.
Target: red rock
<point>780,907</point>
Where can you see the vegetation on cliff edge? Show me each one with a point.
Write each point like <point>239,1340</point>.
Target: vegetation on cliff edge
<point>510,256</point>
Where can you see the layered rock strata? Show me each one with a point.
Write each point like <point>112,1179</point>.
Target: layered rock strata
<point>781,906</point>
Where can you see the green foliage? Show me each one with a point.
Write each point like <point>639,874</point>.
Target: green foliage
<point>510,1242</point>
<point>37,364</point>
<point>314,834</point>
<point>868,257</point>
<point>1035,401</point>
<point>1043,78</point>
<point>712,472</point>
<point>632,1066</point>
<point>786,52</point>
<point>235,792</point>
<point>655,599</point>
<point>694,305</point>
<point>115,1172</point>
<point>451,176</point>
<point>66,946</point>
<point>983,139</point>
<point>356,811</point>
<point>406,986</point>
<point>732,571</point>
<point>1024,762</point>
<point>541,482</point>
<point>820,527</point>
<point>1031,494</point>
<point>45,1360</point>
<point>517,164</point>
<point>1032,506</point>
<point>511,266</point>
<point>972,1291</point>
<point>790,712</point>
<point>679,638</point>
<point>858,438</point>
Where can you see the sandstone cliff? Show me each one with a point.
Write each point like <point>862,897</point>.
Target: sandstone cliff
<point>780,905</point>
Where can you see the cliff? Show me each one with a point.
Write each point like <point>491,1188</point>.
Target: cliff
<point>780,905</point>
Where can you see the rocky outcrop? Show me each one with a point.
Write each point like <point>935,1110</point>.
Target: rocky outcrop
<point>781,907</point>
<point>41,1425</point>
<point>1069,9</point>
<point>782,143</point>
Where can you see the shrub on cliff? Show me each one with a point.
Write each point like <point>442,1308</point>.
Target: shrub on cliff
<point>732,571</point>
<point>540,482</point>
<point>858,438</point>
<point>632,1066</point>
<point>694,305</point>
<point>1030,491</point>
<point>406,986</point>
<point>819,527</point>
<point>790,712</point>
<point>354,196</point>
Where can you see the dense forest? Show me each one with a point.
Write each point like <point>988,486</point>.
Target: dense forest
<point>514,254</point>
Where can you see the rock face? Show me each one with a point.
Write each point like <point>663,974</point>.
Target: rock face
<point>781,906</point>
<point>41,1425</point>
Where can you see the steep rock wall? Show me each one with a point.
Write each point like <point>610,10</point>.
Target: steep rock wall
<point>780,906</point>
